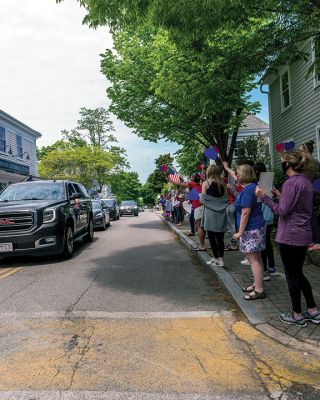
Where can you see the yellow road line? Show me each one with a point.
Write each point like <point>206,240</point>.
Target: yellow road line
<point>5,272</point>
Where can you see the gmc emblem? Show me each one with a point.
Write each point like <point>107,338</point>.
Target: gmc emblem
<point>6,221</point>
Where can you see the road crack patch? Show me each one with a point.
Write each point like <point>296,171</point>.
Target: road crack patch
<point>73,305</point>
<point>82,351</point>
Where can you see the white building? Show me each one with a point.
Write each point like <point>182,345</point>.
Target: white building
<point>18,155</point>
<point>253,126</point>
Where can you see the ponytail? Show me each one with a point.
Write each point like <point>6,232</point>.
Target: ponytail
<point>300,161</point>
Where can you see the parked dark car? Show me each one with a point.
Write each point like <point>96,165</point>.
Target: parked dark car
<point>113,208</point>
<point>44,217</point>
<point>129,207</point>
<point>101,216</point>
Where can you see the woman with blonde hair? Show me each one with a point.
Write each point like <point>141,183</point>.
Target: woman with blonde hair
<point>294,231</point>
<point>251,229</point>
<point>215,199</point>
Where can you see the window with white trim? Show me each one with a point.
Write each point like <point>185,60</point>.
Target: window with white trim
<point>2,139</point>
<point>285,90</point>
<point>19,146</point>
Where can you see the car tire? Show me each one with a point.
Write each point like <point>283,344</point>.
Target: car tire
<point>104,225</point>
<point>68,245</point>
<point>118,217</point>
<point>89,235</point>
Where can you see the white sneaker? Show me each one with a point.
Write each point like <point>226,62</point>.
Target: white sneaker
<point>212,261</point>
<point>219,262</point>
<point>245,262</point>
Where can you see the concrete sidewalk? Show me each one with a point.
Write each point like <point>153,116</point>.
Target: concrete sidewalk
<point>263,314</point>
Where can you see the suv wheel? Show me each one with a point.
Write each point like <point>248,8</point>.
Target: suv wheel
<point>104,225</point>
<point>89,235</point>
<point>68,246</point>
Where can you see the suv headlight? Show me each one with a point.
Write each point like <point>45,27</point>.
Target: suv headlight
<point>49,215</point>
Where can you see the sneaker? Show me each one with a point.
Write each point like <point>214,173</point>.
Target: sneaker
<point>314,318</point>
<point>212,261</point>
<point>266,276</point>
<point>272,271</point>
<point>291,320</point>
<point>219,262</point>
<point>245,262</point>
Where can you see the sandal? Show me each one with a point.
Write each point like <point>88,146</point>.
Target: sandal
<point>248,289</point>
<point>231,248</point>
<point>199,249</point>
<point>254,295</point>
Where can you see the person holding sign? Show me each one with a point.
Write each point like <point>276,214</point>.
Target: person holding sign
<point>294,233</point>
<point>265,180</point>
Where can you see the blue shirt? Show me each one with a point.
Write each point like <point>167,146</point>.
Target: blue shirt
<point>248,199</point>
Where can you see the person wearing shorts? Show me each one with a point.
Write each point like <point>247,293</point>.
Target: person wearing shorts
<point>251,229</point>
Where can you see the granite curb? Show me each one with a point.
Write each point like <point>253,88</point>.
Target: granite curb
<point>255,318</point>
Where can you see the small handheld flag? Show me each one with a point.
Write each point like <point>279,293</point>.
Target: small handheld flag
<point>289,146</point>
<point>286,146</point>
<point>193,195</point>
<point>211,153</point>
<point>174,178</point>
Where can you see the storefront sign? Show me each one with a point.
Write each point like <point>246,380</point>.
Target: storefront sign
<point>13,167</point>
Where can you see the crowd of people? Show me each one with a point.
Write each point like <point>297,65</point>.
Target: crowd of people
<point>232,201</point>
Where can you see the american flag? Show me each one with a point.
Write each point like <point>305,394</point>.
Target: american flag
<point>174,178</point>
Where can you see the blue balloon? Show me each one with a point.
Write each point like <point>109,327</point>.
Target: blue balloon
<point>316,185</point>
<point>193,195</point>
<point>211,153</point>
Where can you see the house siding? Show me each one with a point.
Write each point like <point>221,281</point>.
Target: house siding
<point>29,136</point>
<point>299,121</point>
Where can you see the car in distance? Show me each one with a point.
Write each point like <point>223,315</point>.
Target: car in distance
<point>44,217</point>
<point>101,216</point>
<point>129,207</point>
<point>113,208</point>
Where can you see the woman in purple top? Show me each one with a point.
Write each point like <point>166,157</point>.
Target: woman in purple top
<point>294,232</point>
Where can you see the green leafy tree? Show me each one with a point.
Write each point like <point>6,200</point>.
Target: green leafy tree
<point>254,148</point>
<point>189,157</point>
<point>148,195</point>
<point>95,125</point>
<point>163,92</point>
<point>280,24</point>
<point>125,185</point>
<point>157,179</point>
<point>84,164</point>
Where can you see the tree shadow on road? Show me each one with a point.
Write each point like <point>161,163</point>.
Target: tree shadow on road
<point>165,270</point>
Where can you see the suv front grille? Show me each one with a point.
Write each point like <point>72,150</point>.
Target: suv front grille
<point>16,222</point>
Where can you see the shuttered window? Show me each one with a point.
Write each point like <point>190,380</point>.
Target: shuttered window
<point>285,90</point>
<point>19,146</point>
<point>2,139</point>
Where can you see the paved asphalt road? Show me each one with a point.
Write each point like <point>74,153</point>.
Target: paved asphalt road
<point>133,316</point>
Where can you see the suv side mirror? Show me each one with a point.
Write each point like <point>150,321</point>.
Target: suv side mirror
<point>75,196</point>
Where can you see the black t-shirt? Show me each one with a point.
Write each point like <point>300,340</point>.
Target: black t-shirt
<point>213,190</point>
